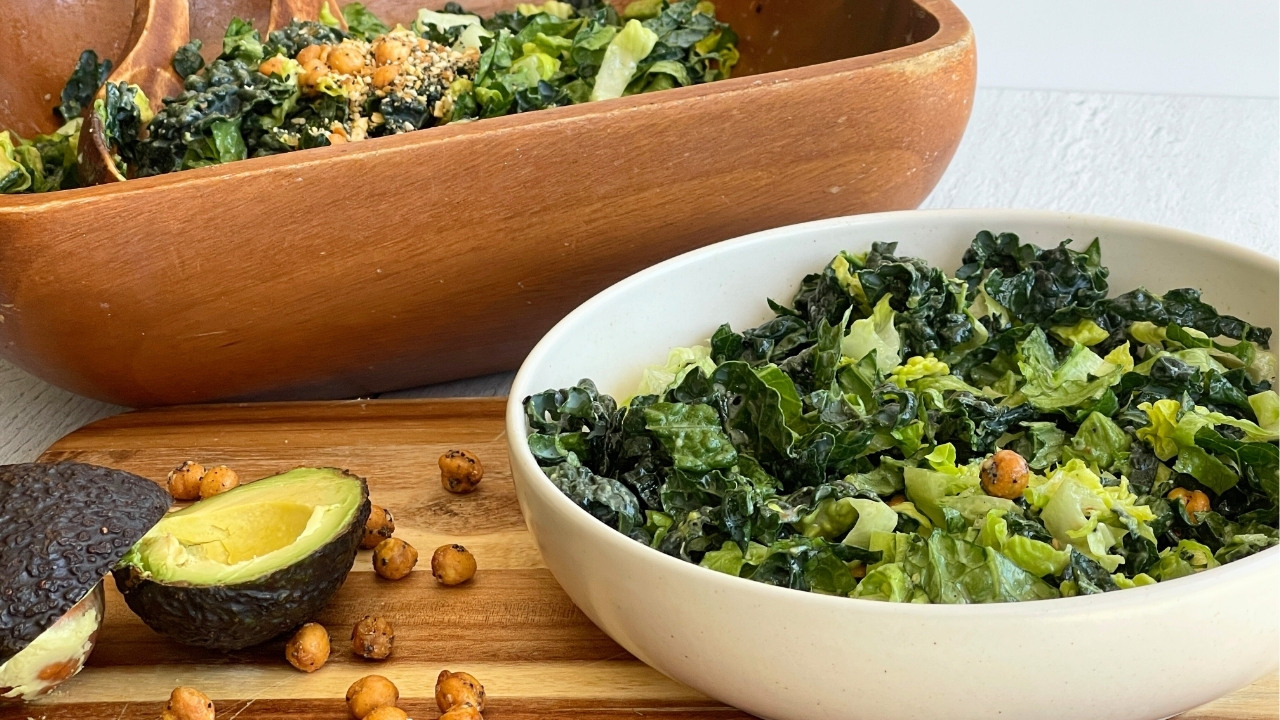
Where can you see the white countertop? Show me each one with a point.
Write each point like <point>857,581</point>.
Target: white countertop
<point>1206,164</point>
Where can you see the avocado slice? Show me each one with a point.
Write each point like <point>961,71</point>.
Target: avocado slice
<point>244,566</point>
<point>62,528</point>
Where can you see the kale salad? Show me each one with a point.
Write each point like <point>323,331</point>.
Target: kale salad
<point>313,84</point>
<point>1010,432</point>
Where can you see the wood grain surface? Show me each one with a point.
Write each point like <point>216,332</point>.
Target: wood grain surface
<point>446,253</point>
<point>512,626</point>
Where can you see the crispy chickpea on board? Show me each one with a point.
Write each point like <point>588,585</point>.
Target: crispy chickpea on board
<point>458,689</point>
<point>453,564</point>
<point>460,471</point>
<point>218,480</point>
<point>187,703</point>
<point>387,712</point>
<point>183,482</point>
<point>372,638</point>
<point>394,559</point>
<point>308,649</point>
<point>380,526</point>
<point>370,693</point>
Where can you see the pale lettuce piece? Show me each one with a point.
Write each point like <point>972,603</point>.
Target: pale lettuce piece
<point>1198,358</point>
<point>621,58</point>
<point>562,10</point>
<point>1078,510</point>
<point>1266,407</point>
<point>658,379</point>
<point>888,583</point>
<point>943,459</point>
<point>1036,557</point>
<point>855,518</point>
<point>730,559</point>
<point>1082,376</point>
<point>844,266</point>
<point>14,176</point>
<point>532,67</point>
<point>472,35</point>
<point>1147,333</point>
<point>873,516</point>
<point>1085,332</point>
<point>908,509</point>
<point>1138,580</point>
<point>1099,442</point>
<point>973,506</point>
<point>927,488</point>
<point>875,334</point>
<point>1186,558</point>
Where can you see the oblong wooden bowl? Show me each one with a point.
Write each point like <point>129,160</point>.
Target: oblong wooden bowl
<point>448,252</point>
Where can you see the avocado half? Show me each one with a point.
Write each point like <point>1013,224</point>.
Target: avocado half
<point>62,528</point>
<point>245,566</point>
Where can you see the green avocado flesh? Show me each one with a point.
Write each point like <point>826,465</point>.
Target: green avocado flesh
<point>245,566</point>
<point>250,531</point>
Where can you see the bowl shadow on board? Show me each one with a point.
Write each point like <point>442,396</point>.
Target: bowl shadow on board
<point>446,253</point>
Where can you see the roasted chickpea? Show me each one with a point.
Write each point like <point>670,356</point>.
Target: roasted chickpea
<point>189,704</point>
<point>388,51</point>
<point>1194,501</point>
<point>453,564</point>
<point>1004,475</point>
<point>458,689</point>
<point>336,139</point>
<point>463,712</point>
<point>394,558</point>
<point>184,481</point>
<point>346,59</point>
<point>370,693</point>
<point>312,53</point>
<point>859,571</point>
<point>385,75</point>
<point>308,649</point>
<point>312,74</point>
<point>377,528</point>
<point>387,712</point>
<point>372,638</point>
<point>218,480</point>
<point>272,65</point>
<point>460,471</point>
<point>897,499</point>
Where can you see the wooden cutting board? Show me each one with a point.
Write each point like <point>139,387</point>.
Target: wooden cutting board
<point>512,626</point>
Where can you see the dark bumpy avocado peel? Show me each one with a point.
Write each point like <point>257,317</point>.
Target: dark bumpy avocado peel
<point>236,616</point>
<point>63,526</point>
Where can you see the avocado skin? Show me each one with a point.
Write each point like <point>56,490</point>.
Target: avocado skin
<point>62,527</point>
<point>233,617</point>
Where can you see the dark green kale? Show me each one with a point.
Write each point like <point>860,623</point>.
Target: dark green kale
<point>187,60</point>
<point>86,78</point>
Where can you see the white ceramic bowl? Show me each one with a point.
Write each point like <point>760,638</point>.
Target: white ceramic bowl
<point>1147,653</point>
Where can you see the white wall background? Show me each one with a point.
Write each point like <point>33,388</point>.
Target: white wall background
<point>1177,47</point>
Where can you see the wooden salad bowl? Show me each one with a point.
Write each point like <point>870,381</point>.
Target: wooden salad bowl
<point>446,253</point>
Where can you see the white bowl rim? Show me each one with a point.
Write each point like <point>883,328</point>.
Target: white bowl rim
<point>517,431</point>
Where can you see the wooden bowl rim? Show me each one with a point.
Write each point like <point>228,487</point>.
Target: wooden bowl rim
<point>954,32</point>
